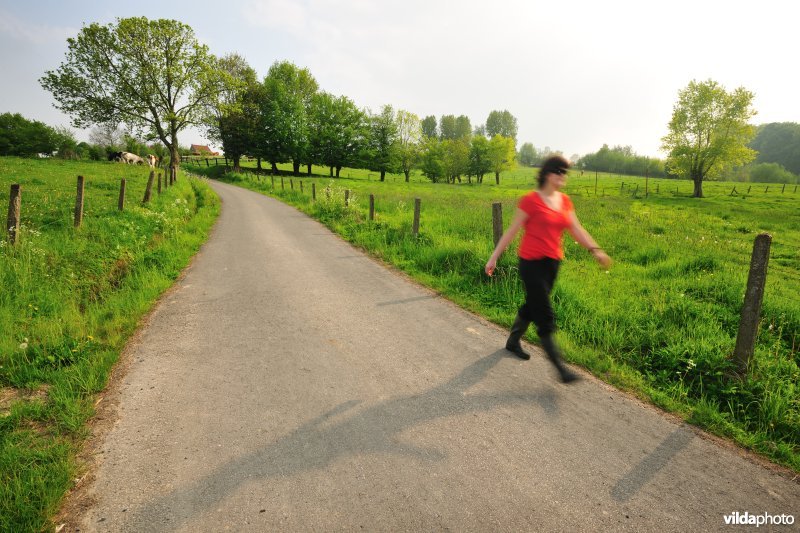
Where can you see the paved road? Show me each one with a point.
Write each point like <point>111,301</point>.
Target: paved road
<point>291,383</point>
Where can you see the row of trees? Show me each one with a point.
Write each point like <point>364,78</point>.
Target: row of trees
<point>155,77</point>
<point>286,119</point>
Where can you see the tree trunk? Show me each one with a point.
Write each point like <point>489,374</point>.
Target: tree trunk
<point>497,177</point>
<point>338,171</point>
<point>406,172</point>
<point>698,186</point>
<point>309,169</point>
<point>258,166</point>
<point>274,169</point>
<point>469,178</point>
<point>236,163</point>
<point>296,167</point>
<point>331,171</point>
<point>383,175</point>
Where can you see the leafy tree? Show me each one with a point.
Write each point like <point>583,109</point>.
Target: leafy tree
<point>25,138</point>
<point>429,129</point>
<point>337,131</point>
<point>432,159</point>
<point>409,137</point>
<point>151,74</point>
<point>382,139</point>
<point>288,91</point>
<point>501,123</point>
<point>233,118</point>
<point>501,155</point>
<point>66,144</point>
<point>709,132</point>
<point>463,127</point>
<point>480,130</point>
<point>479,162</point>
<point>528,155</point>
<point>447,127</point>
<point>456,158</point>
<point>779,143</point>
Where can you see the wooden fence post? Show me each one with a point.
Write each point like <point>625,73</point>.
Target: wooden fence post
<point>301,186</point>
<point>767,189</point>
<point>372,207</point>
<point>291,183</point>
<point>14,205</point>
<point>79,203</point>
<point>207,165</point>
<point>121,201</point>
<point>497,221</point>
<point>346,197</point>
<point>282,186</point>
<point>314,192</point>
<point>751,309</point>
<point>783,189</point>
<point>159,183</point>
<point>595,183</point>
<point>748,189</point>
<point>415,227</point>
<point>149,189</point>
<point>273,181</point>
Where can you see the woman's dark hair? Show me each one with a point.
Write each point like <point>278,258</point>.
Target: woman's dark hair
<point>552,164</point>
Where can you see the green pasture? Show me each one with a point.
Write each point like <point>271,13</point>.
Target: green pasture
<point>661,322</point>
<point>70,298</point>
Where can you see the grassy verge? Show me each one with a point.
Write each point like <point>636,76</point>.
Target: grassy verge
<point>70,299</point>
<point>661,323</point>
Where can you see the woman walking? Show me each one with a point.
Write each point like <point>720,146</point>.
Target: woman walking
<point>544,214</point>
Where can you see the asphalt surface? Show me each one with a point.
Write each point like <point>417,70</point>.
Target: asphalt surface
<point>290,383</point>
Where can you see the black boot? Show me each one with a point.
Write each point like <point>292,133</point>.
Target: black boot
<point>513,343</point>
<point>553,353</point>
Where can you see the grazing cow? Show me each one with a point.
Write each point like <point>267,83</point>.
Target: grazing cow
<point>152,160</point>
<point>131,159</point>
<point>115,156</point>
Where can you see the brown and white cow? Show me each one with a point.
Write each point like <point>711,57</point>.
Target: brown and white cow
<point>152,160</point>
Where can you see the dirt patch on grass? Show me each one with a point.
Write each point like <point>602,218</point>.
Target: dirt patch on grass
<point>10,395</point>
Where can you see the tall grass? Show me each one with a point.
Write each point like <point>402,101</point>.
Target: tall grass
<point>69,300</point>
<point>662,322</point>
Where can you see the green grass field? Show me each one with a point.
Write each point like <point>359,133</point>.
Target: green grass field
<point>661,323</point>
<point>70,298</point>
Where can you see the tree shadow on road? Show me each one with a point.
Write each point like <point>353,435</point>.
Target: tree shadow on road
<point>346,431</point>
<point>652,464</point>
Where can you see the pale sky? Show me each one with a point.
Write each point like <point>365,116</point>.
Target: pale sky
<point>575,73</point>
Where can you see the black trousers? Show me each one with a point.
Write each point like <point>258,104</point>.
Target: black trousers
<point>538,276</point>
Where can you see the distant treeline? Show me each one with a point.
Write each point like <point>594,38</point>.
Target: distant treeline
<point>777,161</point>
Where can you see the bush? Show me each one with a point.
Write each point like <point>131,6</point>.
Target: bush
<point>771,173</point>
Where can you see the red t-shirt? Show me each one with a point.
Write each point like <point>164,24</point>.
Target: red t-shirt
<point>544,227</point>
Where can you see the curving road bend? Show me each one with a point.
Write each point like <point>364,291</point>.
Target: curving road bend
<point>291,383</point>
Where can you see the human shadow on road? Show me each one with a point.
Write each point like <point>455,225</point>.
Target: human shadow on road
<point>642,473</point>
<point>345,431</point>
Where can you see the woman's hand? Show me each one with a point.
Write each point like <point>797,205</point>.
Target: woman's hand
<point>490,266</point>
<point>602,258</point>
